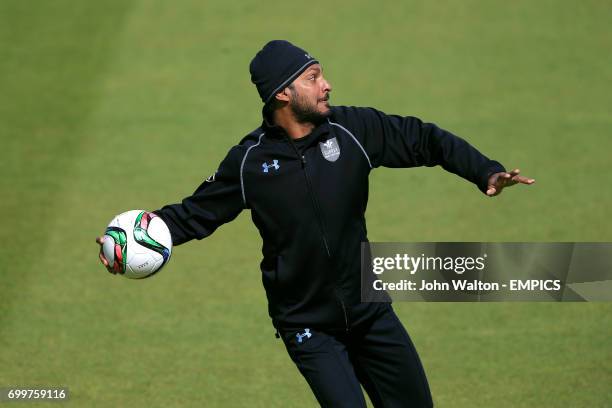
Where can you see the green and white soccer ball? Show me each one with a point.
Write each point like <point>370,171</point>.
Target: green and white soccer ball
<point>137,244</point>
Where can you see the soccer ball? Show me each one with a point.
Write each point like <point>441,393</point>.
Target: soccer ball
<point>137,244</point>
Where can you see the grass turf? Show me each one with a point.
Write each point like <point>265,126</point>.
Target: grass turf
<point>130,104</point>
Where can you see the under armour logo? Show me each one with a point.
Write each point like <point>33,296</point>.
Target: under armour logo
<point>267,166</point>
<point>211,178</point>
<point>299,336</point>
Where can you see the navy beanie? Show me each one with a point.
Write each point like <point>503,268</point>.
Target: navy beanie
<point>276,66</point>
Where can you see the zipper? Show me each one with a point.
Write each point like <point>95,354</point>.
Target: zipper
<point>346,323</point>
<point>318,212</point>
<point>315,204</point>
<point>313,199</point>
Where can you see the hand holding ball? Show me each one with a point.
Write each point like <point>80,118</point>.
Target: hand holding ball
<point>136,244</point>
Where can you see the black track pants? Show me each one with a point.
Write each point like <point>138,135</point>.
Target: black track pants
<point>377,354</point>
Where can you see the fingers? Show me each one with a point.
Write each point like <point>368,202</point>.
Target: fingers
<point>506,177</point>
<point>520,179</point>
<point>514,177</point>
<point>103,259</point>
<point>523,180</point>
<point>100,241</point>
<point>498,181</point>
<point>105,263</point>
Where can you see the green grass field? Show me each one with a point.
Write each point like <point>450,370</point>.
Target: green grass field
<point>117,105</point>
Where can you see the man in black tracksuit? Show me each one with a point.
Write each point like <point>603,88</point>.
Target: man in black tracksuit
<point>304,175</point>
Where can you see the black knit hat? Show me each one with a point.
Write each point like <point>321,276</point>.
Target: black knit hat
<point>276,66</point>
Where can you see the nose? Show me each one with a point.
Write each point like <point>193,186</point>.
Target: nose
<point>326,86</point>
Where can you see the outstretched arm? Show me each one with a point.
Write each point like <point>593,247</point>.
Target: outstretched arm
<point>405,141</point>
<point>216,201</point>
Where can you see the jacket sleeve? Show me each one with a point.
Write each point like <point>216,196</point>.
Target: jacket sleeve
<point>216,201</point>
<point>396,141</point>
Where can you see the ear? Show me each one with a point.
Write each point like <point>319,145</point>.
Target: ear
<point>283,95</point>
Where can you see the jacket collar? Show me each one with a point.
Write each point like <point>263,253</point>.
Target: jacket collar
<point>275,132</point>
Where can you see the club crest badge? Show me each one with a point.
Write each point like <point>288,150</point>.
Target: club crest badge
<point>330,149</point>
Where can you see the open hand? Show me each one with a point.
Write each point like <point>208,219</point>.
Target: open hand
<point>498,181</point>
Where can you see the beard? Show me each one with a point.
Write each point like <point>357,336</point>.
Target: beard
<point>307,112</point>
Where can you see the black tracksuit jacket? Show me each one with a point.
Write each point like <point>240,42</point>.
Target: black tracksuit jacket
<point>310,211</point>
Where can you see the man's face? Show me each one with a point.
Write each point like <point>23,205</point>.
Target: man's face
<point>309,96</point>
